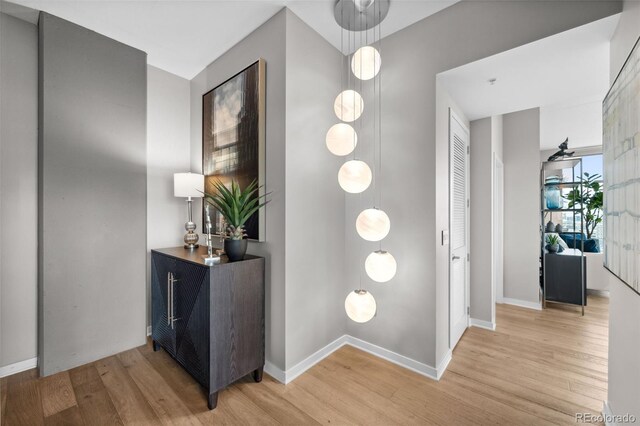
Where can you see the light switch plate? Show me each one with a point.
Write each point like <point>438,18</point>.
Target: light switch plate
<point>445,237</point>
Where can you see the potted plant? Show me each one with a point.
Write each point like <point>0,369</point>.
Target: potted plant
<point>236,207</point>
<point>553,241</point>
<point>589,200</point>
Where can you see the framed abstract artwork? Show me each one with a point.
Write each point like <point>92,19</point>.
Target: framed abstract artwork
<point>621,149</point>
<point>233,139</point>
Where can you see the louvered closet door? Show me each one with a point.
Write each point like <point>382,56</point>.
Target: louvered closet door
<point>459,228</point>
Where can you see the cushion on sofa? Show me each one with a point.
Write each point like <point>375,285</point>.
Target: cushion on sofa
<point>575,241</point>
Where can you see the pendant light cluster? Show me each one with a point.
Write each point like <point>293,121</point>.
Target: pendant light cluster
<point>355,176</point>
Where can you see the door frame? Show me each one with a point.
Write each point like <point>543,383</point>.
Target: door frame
<point>454,116</point>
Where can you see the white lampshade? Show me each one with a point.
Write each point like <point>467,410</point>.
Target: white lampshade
<point>373,224</point>
<point>366,62</point>
<point>360,306</point>
<point>380,266</point>
<point>348,105</point>
<point>341,139</point>
<point>188,185</point>
<point>354,176</point>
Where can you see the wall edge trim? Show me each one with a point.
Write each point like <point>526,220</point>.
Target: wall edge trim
<point>287,376</point>
<point>487,325</point>
<point>522,303</point>
<point>18,367</point>
<point>608,414</point>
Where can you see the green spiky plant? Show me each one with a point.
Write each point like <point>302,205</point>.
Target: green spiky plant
<point>553,239</point>
<point>589,200</point>
<point>236,206</point>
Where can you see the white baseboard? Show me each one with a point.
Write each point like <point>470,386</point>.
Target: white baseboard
<point>596,292</point>
<point>488,325</point>
<point>315,358</point>
<point>608,414</point>
<point>401,360</point>
<point>18,367</point>
<point>522,303</point>
<point>275,372</point>
<point>442,367</point>
<point>290,374</point>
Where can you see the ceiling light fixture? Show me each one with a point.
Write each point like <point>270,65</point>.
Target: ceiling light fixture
<point>355,176</point>
<point>341,139</point>
<point>348,105</point>
<point>360,306</point>
<point>365,63</point>
<point>381,266</point>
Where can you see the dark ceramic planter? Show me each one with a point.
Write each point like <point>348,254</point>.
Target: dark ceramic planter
<point>235,249</point>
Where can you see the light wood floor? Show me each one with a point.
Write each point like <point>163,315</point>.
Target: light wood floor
<point>537,368</point>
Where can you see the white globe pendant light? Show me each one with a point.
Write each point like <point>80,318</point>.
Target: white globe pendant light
<point>380,266</point>
<point>354,176</point>
<point>373,224</point>
<point>348,105</point>
<point>341,139</point>
<point>360,306</point>
<point>365,63</point>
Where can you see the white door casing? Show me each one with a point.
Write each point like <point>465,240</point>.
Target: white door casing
<point>458,228</point>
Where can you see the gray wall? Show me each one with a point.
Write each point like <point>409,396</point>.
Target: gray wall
<point>521,133</point>
<point>315,209</point>
<point>409,304</point>
<point>92,196</point>
<point>486,143</point>
<point>168,148</point>
<point>624,304</point>
<point>481,220</point>
<point>267,42</point>
<point>18,190</point>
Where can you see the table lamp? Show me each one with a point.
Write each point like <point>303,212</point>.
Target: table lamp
<point>189,185</point>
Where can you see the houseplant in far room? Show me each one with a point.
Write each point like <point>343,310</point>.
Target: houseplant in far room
<point>236,206</point>
<point>589,199</point>
<point>553,242</point>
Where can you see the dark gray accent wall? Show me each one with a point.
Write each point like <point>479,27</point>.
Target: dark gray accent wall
<point>92,196</point>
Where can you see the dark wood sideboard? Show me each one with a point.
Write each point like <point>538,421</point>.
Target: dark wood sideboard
<point>209,318</point>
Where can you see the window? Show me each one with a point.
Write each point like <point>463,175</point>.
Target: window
<point>591,164</point>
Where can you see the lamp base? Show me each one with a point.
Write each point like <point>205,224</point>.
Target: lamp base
<point>191,238</point>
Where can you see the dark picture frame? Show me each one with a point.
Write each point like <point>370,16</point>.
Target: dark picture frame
<point>233,140</point>
<point>621,158</point>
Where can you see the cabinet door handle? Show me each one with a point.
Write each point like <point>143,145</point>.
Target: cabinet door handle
<point>169,298</point>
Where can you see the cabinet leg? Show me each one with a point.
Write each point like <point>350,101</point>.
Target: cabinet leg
<point>257,374</point>
<point>156,346</point>
<point>213,400</point>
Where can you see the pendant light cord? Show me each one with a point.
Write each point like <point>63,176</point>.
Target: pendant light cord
<point>379,112</point>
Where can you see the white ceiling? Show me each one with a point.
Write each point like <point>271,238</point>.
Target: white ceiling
<point>566,74</point>
<point>581,123</point>
<point>183,37</point>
